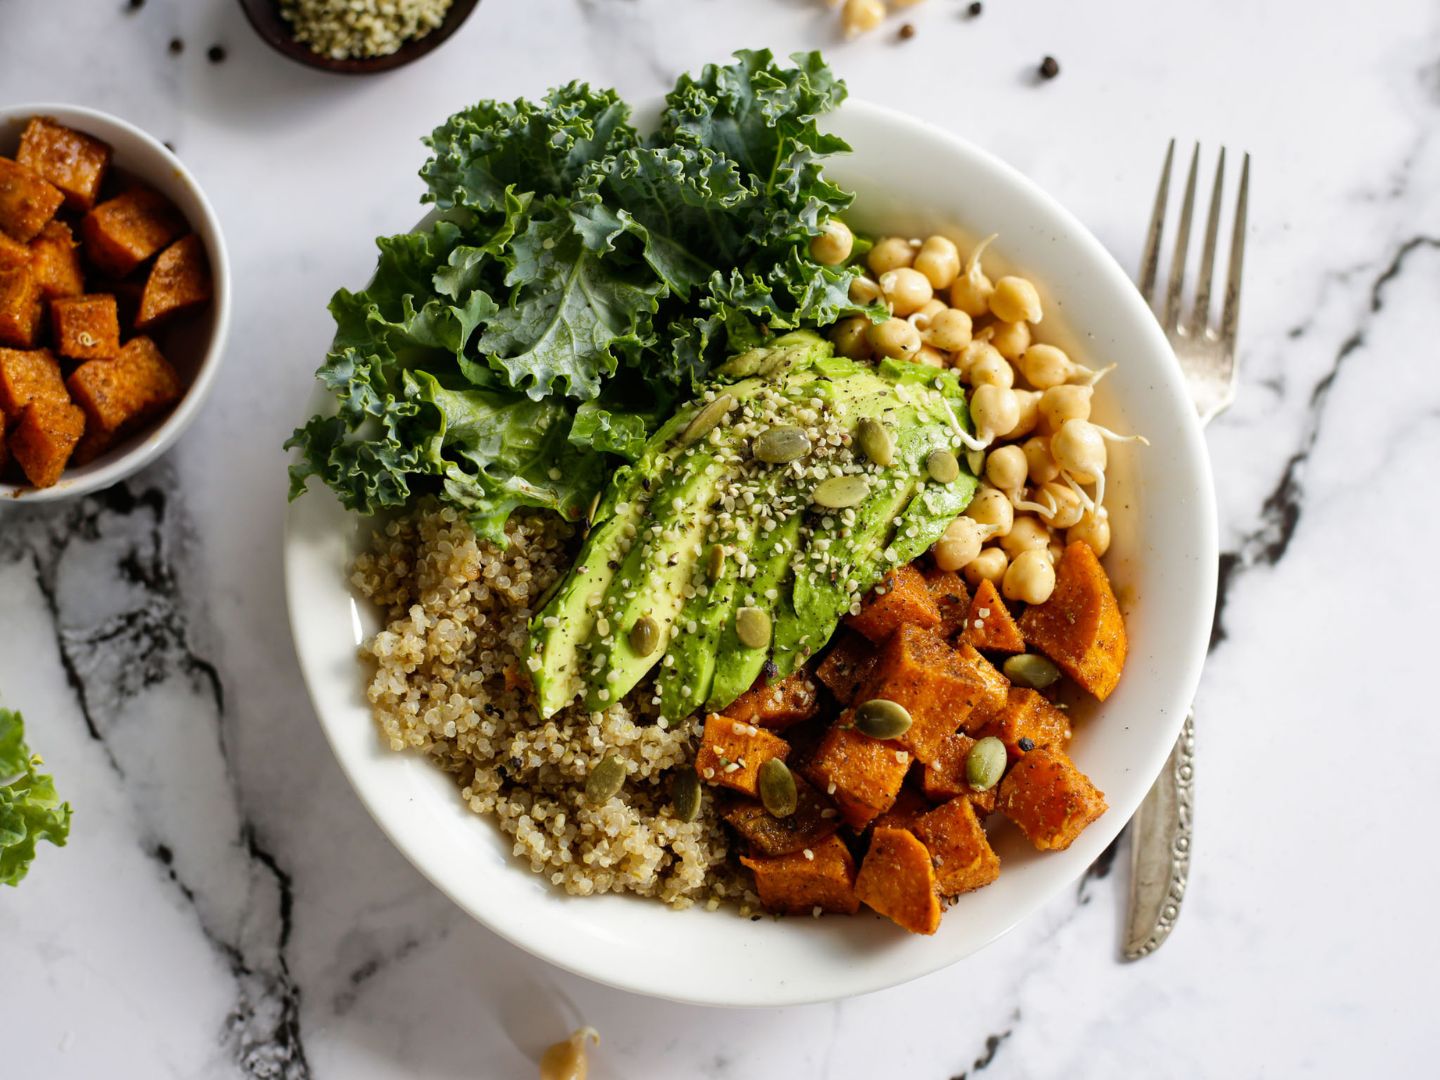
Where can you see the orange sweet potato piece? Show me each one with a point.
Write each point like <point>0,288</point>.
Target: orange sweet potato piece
<point>847,665</point>
<point>782,703</point>
<point>906,812</point>
<point>732,752</point>
<point>1028,715</point>
<point>1049,799</point>
<point>1080,626</point>
<point>814,819</point>
<point>27,201</point>
<point>179,281</point>
<point>897,879</point>
<point>20,307</point>
<point>944,778</point>
<point>900,599</point>
<point>28,375</point>
<point>44,439</point>
<point>989,687</point>
<point>959,848</point>
<point>13,254</point>
<point>863,775</point>
<point>122,391</point>
<point>989,624</point>
<point>55,259</point>
<point>71,160</point>
<point>85,327</point>
<point>951,598</point>
<point>123,232</point>
<point>798,883</point>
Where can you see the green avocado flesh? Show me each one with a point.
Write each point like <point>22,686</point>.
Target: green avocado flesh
<point>650,550</point>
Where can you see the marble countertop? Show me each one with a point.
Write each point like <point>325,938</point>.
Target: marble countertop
<point>227,908</point>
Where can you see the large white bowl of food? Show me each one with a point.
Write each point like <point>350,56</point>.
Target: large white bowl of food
<point>731,584</point>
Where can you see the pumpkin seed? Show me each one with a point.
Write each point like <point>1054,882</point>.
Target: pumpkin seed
<point>781,445</point>
<point>685,795</point>
<point>716,566</point>
<point>841,491</point>
<point>752,627</point>
<point>706,419</point>
<point>777,788</point>
<point>644,636</point>
<point>942,466</point>
<point>1032,670</point>
<point>605,779</point>
<point>985,764</point>
<point>877,442</point>
<point>882,718</point>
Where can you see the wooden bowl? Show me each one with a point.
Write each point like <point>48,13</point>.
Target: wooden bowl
<point>264,16</point>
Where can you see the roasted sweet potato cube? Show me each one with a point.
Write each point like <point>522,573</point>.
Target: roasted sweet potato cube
<point>27,201</point>
<point>900,599</point>
<point>13,254</point>
<point>178,282</point>
<point>847,665</point>
<point>989,624</point>
<point>55,260</point>
<point>20,308</point>
<point>815,818</point>
<point>85,327</point>
<point>822,876</point>
<point>72,161</point>
<point>989,688</point>
<point>1080,626</point>
<point>26,376</point>
<point>731,753</point>
<point>1049,799</point>
<point>44,439</point>
<point>918,670</point>
<point>951,598</point>
<point>959,848</point>
<point>123,232</point>
<point>897,879</point>
<point>944,778</point>
<point>122,391</point>
<point>905,813</point>
<point>1028,715</point>
<point>783,702</point>
<point>863,775</point>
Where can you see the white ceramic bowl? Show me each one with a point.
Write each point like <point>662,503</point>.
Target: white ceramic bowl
<point>194,345</point>
<point>1163,562</point>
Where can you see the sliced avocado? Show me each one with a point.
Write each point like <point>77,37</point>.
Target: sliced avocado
<point>684,680</point>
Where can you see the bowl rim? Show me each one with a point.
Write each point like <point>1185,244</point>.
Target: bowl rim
<point>271,30</point>
<point>154,443</point>
<point>529,934</point>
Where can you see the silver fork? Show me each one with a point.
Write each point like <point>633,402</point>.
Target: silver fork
<point>1160,841</point>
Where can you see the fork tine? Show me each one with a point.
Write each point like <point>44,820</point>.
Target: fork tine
<point>1230,317</point>
<point>1150,260</point>
<point>1200,316</point>
<point>1182,247</point>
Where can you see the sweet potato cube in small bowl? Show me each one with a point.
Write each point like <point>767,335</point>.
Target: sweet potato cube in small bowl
<point>959,849</point>
<point>121,391</point>
<point>72,161</point>
<point>44,439</point>
<point>123,232</point>
<point>26,376</point>
<point>900,599</point>
<point>85,327</point>
<point>178,282</point>
<point>1080,626</point>
<point>27,201</point>
<point>989,624</point>
<point>863,775</point>
<point>897,879</point>
<point>1030,717</point>
<point>55,259</point>
<point>819,877</point>
<point>13,254</point>
<point>945,778</point>
<point>1049,799</point>
<point>778,704</point>
<point>21,312</point>
<point>731,753</point>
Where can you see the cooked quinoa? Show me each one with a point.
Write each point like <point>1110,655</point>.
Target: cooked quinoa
<point>354,29</point>
<point>449,682</point>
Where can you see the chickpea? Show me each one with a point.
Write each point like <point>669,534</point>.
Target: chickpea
<point>833,244</point>
<point>927,312</point>
<point>1030,578</point>
<point>1079,449</point>
<point>1068,507</point>
<point>895,338</point>
<point>891,253</point>
<point>939,261</point>
<point>970,354</point>
<point>1029,413</point>
<point>931,357</point>
<point>1056,551</point>
<point>989,565</point>
<point>905,289</point>
<point>949,329</point>
<point>567,1060</point>
<point>1045,366</point>
<point>864,290</point>
<point>1006,468</point>
<point>971,290</point>
<point>991,369</point>
<point>991,507</point>
<point>1011,339</point>
<point>1037,455</point>
<point>859,16</point>
<point>1015,300</point>
<point>959,545</point>
<point>995,410</point>
<point>1028,533</point>
<point>851,337</point>
<point>1061,403</point>
<point>1092,529</point>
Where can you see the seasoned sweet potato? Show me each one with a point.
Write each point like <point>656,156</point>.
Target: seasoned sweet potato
<point>44,439</point>
<point>897,879</point>
<point>988,623</point>
<point>814,819</point>
<point>55,260</point>
<point>944,778</point>
<point>85,327</point>
<point>20,308</point>
<point>731,753</point>
<point>900,599</point>
<point>1049,799</point>
<point>783,702</point>
<point>72,161</point>
<point>822,876</point>
<point>178,282</point>
<point>989,687</point>
<point>1080,626</point>
<point>918,670</point>
<point>951,598</point>
<point>123,232</point>
<point>861,774</point>
<point>959,849</point>
<point>26,376</point>
<point>13,254</point>
<point>847,665</point>
<point>1028,715</point>
<point>27,201</point>
<point>905,813</point>
<point>119,392</point>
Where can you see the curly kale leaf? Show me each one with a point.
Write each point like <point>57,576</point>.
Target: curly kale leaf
<point>30,809</point>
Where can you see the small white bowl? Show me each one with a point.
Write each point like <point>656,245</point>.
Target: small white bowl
<point>194,347</point>
<point>910,178</point>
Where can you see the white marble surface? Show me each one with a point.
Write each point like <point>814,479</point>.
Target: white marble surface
<point>226,908</point>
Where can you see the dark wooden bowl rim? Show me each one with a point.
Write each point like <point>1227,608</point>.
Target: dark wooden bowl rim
<point>264,16</point>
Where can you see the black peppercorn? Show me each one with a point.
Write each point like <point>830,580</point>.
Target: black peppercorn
<point>1026,745</point>
<point>216,54</point>
<point>907,31</point>
<point>975,8</point>
<point>1049,67</point>
<point>176,46</point>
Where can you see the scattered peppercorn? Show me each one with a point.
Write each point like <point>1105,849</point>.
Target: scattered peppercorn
<point>1026,744</point>
<point>169,146</point>
<point>907,31</point>
<point>976,8</point>
<point>1049,67</point>
<point>176,46</point>
<point>216,54</point>
<point>134,5</point>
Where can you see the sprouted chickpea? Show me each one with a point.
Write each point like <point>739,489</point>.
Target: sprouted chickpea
<point>931,356</point>
<point>859,16</point>
<point>864,290</point>
<point>939,261</point>
<point>1061,403</point>
<point>1029,401</point>
<point>833,244</point>
<point>1093,529</point>
<point>1015,300</point>
<point>1028,533</point>
<point>567,1060</point>
<point>1030,578</point>
<point>1006,468</point>
<point>905,289</point>
<point>949,329</point>
<point>891,253</point>
<point>894,338</point>
<point>927,313</point>
<point>991,507</point>
<point>1069,506</point>
<point>978,349</point>
<point>851,337</point>
<point>1078,447</point>
<point>991,369</point>
<point>1011,339</point>
<point>989,565</point>
<point>971,291</point>
<point>995,411</point>
<point>1037,455</point>
<point>1045,366</point>
<point>960,544</point>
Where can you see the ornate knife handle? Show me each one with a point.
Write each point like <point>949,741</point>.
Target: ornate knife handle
<point>1160,850</point>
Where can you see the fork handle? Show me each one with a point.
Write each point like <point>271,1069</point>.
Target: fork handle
<point>1160,850</point>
